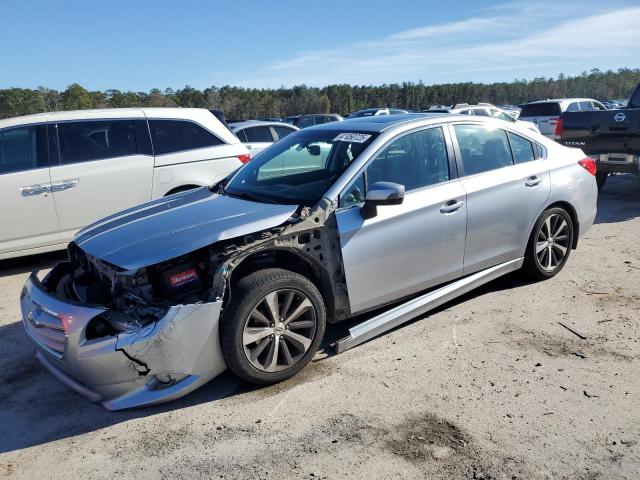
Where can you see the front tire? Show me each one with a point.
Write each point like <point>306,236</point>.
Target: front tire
<point>549,245</point>
<point>272,326</point>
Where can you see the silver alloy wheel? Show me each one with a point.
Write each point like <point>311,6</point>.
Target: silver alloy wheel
<point>279,330</point>
<point>552,242</point>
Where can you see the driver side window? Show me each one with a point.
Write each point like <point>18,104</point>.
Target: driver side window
<point>415,160</point>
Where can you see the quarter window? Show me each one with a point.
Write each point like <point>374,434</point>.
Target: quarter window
<point>482,148</point>
<point>258,134</point>
<point>22,148</point>
<point>522,149</point>
<point>86,141</point>
<point>178,135</point>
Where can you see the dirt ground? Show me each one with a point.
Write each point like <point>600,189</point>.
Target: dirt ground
<point>490,386</point>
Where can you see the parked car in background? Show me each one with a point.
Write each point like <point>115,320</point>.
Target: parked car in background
<point>310,120</point>
<point>257,135</point>
<point>545,113</point>
<point>372,112</point>
<point>156,301</point>
<point>612,137</point>
<point>512,110</point>
<point>613,104</point>
<point>484,110</point>
<point>62,171</point>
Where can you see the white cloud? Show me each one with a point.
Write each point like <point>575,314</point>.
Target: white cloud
<point>515,40</point>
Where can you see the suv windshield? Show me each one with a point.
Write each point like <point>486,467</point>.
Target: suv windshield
<point>547,109</point>
<point>299,168</point>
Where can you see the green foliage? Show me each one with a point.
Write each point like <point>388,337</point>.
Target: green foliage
<point>243,103</point>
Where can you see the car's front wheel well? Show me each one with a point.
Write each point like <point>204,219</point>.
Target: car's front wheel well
<point>286,259</point>
<point>567,207</point>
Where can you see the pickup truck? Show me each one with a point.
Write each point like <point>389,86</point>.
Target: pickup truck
<point>612,137</point>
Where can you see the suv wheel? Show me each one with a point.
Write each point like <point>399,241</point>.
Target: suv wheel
<point>550,244</point>
<point>272,326</point>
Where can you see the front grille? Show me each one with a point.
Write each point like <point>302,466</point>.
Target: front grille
<point>46,329</point>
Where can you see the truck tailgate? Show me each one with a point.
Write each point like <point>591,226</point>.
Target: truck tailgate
<point>611,131</point>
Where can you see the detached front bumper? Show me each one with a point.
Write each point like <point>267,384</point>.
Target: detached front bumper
<point>161,361</point>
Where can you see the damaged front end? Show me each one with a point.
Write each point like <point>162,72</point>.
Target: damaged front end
<point>125,339</point>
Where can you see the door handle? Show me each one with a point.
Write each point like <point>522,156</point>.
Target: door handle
<point>533,181</point>
<point>451,206</point>
<point>33,190</point>
<point>61,186</point>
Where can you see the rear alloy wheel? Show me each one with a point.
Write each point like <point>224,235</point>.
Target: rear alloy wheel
<point>272,326</point>
<point>550,244</point>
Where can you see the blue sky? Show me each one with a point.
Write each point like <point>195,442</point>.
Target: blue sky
<point>139,45</point>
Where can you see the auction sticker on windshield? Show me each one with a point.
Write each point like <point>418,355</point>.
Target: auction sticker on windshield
<point>352,137</point>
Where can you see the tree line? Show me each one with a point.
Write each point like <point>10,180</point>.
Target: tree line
<point>244,103</point>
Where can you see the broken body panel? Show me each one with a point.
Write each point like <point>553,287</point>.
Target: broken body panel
<point>156,352</point>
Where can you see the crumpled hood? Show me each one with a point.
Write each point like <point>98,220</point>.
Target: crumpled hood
<point>176,225</point>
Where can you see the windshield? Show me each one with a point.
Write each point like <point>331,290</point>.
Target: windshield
<point>299,168</point>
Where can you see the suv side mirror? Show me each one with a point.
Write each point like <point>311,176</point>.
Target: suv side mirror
<point>381,193</point>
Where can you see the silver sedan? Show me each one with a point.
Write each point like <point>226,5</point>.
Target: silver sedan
<point>384,217</point>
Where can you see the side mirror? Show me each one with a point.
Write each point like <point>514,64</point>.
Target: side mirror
<point>381,193</point>
<point>314,150</point>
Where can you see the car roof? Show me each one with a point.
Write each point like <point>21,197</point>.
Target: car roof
<point>105,113</point>
<point>378,123</point>
<point>562,100</point>
<point>259,123</point>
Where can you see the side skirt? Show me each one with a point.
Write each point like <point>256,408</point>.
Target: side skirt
<point>417,306</point>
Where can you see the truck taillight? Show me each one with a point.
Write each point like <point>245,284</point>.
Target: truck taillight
<point>244,158</point>
<point>559,126</point>
<point>589,164</point>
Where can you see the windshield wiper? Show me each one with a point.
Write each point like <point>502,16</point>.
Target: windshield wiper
<point>249,196</point>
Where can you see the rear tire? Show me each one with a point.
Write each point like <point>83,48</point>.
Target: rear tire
<point>549,245</point>
<point>272,326</point>
<point>601,179</point>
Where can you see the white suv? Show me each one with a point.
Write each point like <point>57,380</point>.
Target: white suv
<point>62,171</point>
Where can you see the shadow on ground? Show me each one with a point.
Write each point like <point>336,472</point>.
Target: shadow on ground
<point>619,200</point>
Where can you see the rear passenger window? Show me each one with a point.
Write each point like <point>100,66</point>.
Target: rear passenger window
<point>258,134</point>
<point>483,149</point>
<point>304,122</point>
<point>179,135</point>
<point>415,160</point>
<point>86,141</point>
<point>283,131</point>
<point>573,107</point>
<point>586,106</point>
<point>23,148</point>
<point>522,148</point>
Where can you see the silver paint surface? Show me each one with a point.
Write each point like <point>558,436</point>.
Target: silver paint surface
<point>175,225</point>
<point>120,371</point>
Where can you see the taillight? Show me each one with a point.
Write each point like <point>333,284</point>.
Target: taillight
<point>559,126</point>
<point>589,164</point>
<point>244,158</point>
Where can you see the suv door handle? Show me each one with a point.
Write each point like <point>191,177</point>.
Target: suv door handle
<point>533,181</point>
<point>33,190</point>
<point>61,186</point>
<point>451,206</point>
